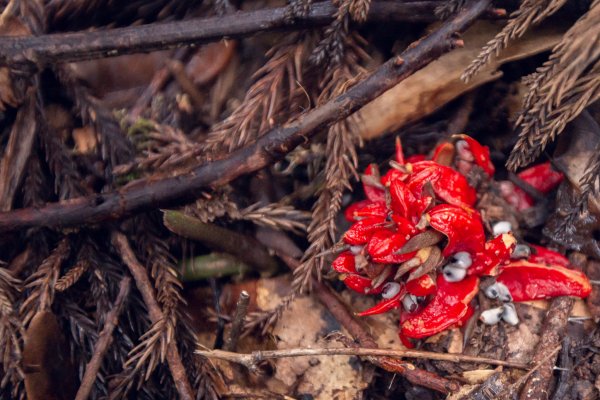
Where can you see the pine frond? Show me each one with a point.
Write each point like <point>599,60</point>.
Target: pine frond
<point>530,13</point>
<point>40,285</point>
<point>340,167</point>
<point>567,83</point>
<point>331,49</point>
<point>11,334</point>
<point>277,216</point>
<point>159,147</point>
<point>71,276</point>
<point>143,359</point>
<point>267,101</point>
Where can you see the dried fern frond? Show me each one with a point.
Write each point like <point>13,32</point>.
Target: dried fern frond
<point>268,100</point>
<point>530,13</point>
<point>340,167</point>
<point>277,216</point>
<point>143,359</point>
<point>41,283</point>
<point>71,276</point>
<point>567,83</point>
<point>330,50</point>
<point>11,333</point>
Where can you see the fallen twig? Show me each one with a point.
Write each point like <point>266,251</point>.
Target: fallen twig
<point>250,360</point>
<point>104,341</point>
<point>538,385</point>
<point>241,309</point>
<point>266,150</point>
<point>147,291</point>
<point>35,52</point>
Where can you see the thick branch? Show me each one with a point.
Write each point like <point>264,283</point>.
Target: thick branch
<point>147,291</point>
<point>68,47</point>
<point>266,150</point>
<point>252,359</point>
<point>104,341</point>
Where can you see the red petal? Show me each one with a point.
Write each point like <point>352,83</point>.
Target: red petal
<point>344,263</point>
<point>529,281</point>
<point>462,226</point>
<point>448,308</point>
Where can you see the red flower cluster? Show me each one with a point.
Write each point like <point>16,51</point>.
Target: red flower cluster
<point>418,242</point>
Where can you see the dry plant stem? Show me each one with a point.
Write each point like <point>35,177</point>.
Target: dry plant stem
<point>538,385</point>
<point>415,375</point>
<point>144,285</point>
<point>38,51</point>
<point>104,341</point>
<point>266,150</point>
<point>241,309</point>
<point>245,247</point>
<point>252,359</point>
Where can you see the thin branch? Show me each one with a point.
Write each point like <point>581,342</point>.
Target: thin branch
<point>147,291</point>
<point>37,51</point>
<point>241,309</point>
<point>269,148</point>
<point>250,360</point>
<point>104,341</point>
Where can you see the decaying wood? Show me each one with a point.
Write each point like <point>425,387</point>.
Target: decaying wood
<point>266,150</point>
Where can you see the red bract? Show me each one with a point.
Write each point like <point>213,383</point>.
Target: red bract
<point>529,281</point>
<point>344,263</point>
<point>361,231</point>
<point>422,286</point>
<point>448,308</point>
<point>448,184</point>
<point>371,184</point>
<point>542,255</point>
<point>425,193</point>
<point>479,154</point>
<point>541,177</point>
<point>462,227</point>
<point>497,252</point>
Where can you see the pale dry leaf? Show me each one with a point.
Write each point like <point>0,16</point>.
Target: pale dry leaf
<point>477,376</point>
<point>299,328</point>
<point>439,83</point>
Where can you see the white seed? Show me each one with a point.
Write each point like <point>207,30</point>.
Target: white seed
<point>521,251</point>
<point>356,249</point>
<point>409,302</point>
<point>498,291</point>
<point>462,260</point>
<point>492,316</point>
<point>501,227</point>
<point>510,315</point>
<point>390,289</point>
<point>454,274</point>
